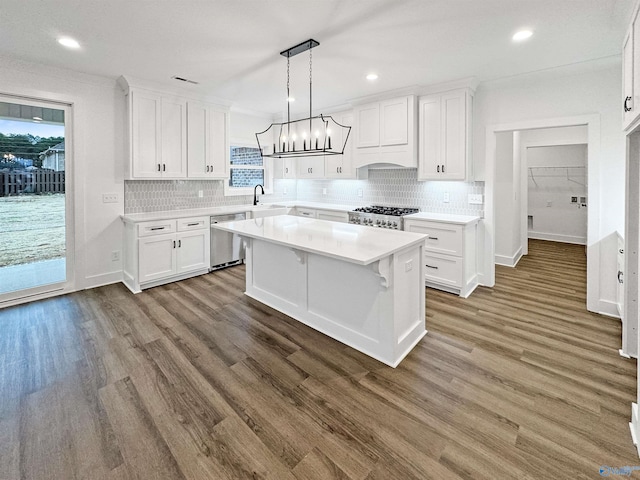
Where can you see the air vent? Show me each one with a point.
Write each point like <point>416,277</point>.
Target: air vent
<point>182,79</point>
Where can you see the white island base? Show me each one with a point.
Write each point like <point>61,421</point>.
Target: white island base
<point>378,308</point>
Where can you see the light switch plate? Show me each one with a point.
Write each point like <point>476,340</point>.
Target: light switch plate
<point>360,192</point>
<point>445,197</point>
<point>475,199</point>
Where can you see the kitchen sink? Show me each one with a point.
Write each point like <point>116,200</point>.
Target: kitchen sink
<point>260,211</point>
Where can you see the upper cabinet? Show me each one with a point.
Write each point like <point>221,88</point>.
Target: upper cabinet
<point>630,103</point>
<point>341,166</point>
<point>384,133</point>
<point>444,135</point>
<point>207,141</point>
<point>173,137</point>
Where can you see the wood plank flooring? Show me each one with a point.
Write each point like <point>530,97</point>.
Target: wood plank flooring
<point>194,380</point>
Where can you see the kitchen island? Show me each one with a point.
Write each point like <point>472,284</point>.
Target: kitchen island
<point>362,286</point>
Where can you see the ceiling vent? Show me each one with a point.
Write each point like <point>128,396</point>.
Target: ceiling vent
<point>182,79</point>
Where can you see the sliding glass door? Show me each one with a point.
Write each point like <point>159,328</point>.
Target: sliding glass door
<point>35,253</point>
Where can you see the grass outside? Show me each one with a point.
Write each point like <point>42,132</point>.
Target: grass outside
<point>32,228</point>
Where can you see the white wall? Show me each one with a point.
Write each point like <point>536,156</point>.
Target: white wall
<point>98,152</point>
<point>504,195</point>
<point>582,90</point>
<point>550,191</point>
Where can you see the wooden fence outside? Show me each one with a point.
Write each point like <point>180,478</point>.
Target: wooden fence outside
<point>16,182</point>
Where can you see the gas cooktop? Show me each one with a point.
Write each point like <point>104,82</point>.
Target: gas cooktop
<point>380,216</point>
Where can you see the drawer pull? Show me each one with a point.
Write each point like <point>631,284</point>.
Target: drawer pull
<point>431,266</point>
<point>193,224</point>
<point>157,228</point>
<point>432,238</point>
<point>620,277</point>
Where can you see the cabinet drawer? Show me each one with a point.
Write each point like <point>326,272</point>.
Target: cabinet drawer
<point>332,215</point>
<point>305,212</point>
<point>443,269</point>
<point>443,237</point>
<point>195,223</point>
<point>156,228</point>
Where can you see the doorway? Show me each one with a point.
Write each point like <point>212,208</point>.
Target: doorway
<point>35,209</point>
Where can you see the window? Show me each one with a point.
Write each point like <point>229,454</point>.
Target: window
<point>248,168</point>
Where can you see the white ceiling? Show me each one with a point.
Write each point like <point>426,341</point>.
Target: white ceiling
<point>232,46</point>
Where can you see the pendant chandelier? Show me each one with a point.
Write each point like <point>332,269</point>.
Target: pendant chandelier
<point>307,137</point>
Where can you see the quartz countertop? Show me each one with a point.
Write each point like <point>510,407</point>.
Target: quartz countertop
<point>205,212</point>
<point>443,217</point>
<point>343,241</point>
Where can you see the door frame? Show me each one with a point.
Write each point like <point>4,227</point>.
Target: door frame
<point>44,291</point>
<point>592,122</point>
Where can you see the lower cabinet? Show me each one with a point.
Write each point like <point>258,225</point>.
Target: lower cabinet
<point>165,251</point>
<point>620,284</point>
<point>321,214</point>
<point>450,254</point>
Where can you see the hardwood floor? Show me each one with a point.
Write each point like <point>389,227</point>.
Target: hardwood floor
<point>195,380</point>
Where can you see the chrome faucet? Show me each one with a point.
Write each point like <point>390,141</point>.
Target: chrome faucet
<point>255,196</point>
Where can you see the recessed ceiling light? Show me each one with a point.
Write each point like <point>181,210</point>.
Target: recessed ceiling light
<point>522,35</point>
<point>68,42</point>
<point>291,99</point>
<point>372,76</point>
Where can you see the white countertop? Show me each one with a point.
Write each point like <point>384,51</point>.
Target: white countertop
<point>443,217</point>
<point>208,211</point>
<point>344,241</point>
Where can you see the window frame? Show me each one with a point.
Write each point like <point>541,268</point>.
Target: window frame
<point>267,166</point>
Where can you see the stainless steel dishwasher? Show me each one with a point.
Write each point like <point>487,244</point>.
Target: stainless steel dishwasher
<point>226,247</point>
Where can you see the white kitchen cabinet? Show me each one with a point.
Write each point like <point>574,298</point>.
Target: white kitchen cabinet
<point>207,141</point>
<point>631,73</point>
<point>310,167</point>
<point>385,133</point>
<point>341,166</point>
<point>144,123</point>
<point>444,136</point>
<point>449,254</point>
<point>620,284</point>
<point>305,212</point>
<point>173,134</point>
<point>173,137</point>
<point>332,216</point>
<point>157,136</point>
<point>164,251</point>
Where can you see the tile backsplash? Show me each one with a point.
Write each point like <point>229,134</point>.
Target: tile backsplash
<point>393,187</point>
<point>397,188</point>
<point>142,196</point>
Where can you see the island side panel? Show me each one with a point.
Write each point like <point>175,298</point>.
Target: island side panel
<point>409,304</point>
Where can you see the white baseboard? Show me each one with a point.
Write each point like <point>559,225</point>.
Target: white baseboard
<point>94,281</point>
<point>633,426</point>
<point>509,261</point>
<point>555,237</point>
<point>608,308</point>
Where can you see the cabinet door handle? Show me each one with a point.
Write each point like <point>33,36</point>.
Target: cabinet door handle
<point>431,266</point>
<point>620,274</point>
<point>627,108</point>
<point>164,167</point>
<point>438,168</point>
<point>157,228</point>
<point>621,250</point>
<point>337,169</point>
<point>174,244</point>
<point>442,168</point>
<point>340,169</point>
<point>286,170</point>
<point>179,243</point>
<point>207,168</point>
<point>158,167</point>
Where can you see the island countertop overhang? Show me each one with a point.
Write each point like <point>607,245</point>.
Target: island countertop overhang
<point>351,243</point>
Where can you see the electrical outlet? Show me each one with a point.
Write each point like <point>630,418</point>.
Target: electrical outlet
<point>115,255</point>
<point>284,191</point>
<point>360,192</point>
<point>109,198</point>
<point>200,195</point>
<point>475,199</point>
<point>324,191</point>
<point>408,266</point>
<point>549,203</point>
<point>445,197</point>
<point>574,199</point>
